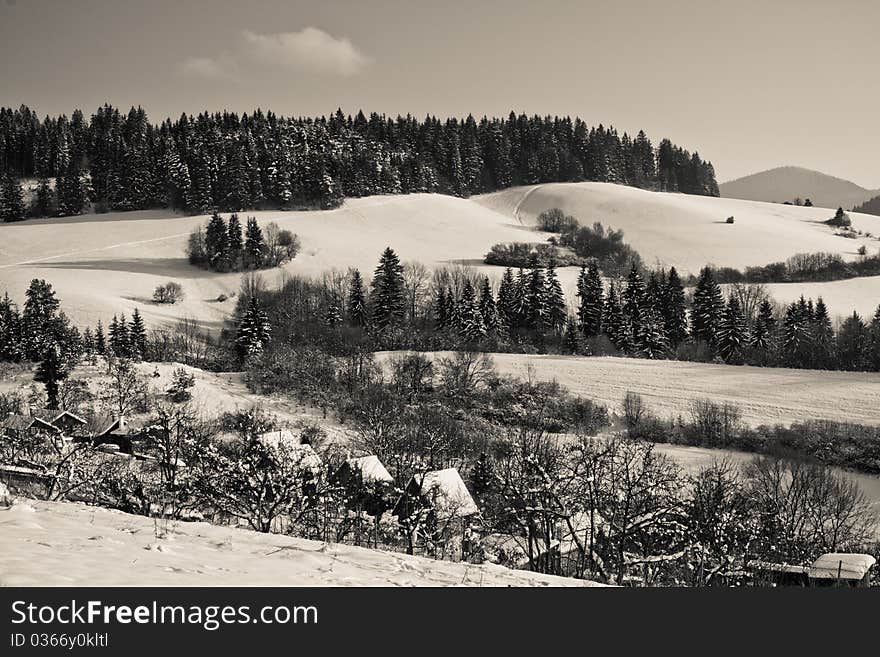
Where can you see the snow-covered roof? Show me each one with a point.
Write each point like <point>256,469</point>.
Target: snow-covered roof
<point>307,456</point>
<point>842,565</point>
<point>447,492</point>
<point>371,468</point>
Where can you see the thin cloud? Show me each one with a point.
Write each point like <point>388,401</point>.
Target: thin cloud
<point>310,50</point>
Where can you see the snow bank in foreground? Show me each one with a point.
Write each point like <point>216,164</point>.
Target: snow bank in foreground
<point>63,544</point>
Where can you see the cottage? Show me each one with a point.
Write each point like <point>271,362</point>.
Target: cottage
<point>364,480</point>
<point>16,426</point>
<point>69,423</point>
<point>443,491</point>
<point>840,568</point>
<point>111,429</point>
<point>304,453</point>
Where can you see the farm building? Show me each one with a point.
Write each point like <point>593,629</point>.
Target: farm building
<point>111,429</point>
<point>443,491</point>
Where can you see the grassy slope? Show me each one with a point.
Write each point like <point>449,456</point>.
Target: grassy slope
<point>62,544</point>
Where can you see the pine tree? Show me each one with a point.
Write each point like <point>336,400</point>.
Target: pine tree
<point>708,308</point>
<point>11,200</point>
<point>236,242</point>
<point>536,311</point>
<point>572,340</point>
<point>137,336</point>
<point>120,341</point>
<point>797,335</point>
<point>874,345</point>
<point>554,300</point>
<point>822,332</point>
<point>100,340</point>
<point>612,320</point>
<point>41,322</point>
<point>357,303</point>
<point>254,330</point>
<point>650,334</point>
<point>507,301</point>
<point>44,200</point>
<point>11,347</point>
<point>853,344</point>
<point>591,295</point>
<point>387,296</point>
<point>482,476</point>
<point>88,341</point>
<point>674,309</point>
<point>732,332</point>
<point>488,308</point>
<point>51,372</point>
<point>254,245</point>
<point>470,324</point>
<point>765,325</point>
<point>217,243</point>
<point>72,192</point>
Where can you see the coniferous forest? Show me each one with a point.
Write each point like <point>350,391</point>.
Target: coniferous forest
<point>231,162</point>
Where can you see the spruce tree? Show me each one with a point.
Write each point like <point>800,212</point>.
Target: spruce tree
<point>387,296</point>
<point>44,200</point>
<point>874,345</point>
<point>100,340</point>
<point>765,325</point>
<point>42,323</point>
<point>488,308</point>
<point>572,339</point>
<point>536,310</point>
<point>236,243</point>
<point>612,320</point>
<point>732,332</point>
<point>217,243</point>
<point>254,330</point>
<point>254,245</point>
<point>591,294</point>
<point>822,356</point>
<point>482,477</point>
<point>674,309</point>
<point>554,300</point>
<point>357,303</point>
<point>708,308</point>
<point>137,336</point>
<point>72,192</point>
<point>507,301</point>
<point>649,335</point>
<point>11,200</point>
<point>470,324</point>
<point>797,334</point>
<point>853,344</point>
<point>11,347</point>
<point>51,372</point>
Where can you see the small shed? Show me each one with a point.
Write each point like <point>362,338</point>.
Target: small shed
<point>443,491</point>
<point>841,568</point>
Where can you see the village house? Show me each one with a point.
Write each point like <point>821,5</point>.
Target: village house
<point>364,479</point>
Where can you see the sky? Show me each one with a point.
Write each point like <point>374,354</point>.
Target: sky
<point>749,84</point>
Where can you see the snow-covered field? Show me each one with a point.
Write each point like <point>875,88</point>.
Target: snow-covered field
<point>687,231</point>
<point>765,395</point>
<point>66,544</point>
<point>110,263</point>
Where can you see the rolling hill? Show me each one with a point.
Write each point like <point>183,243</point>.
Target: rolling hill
<point>787,183</point>
<point>104,264</point>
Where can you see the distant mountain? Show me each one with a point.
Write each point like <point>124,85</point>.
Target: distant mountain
<point>869,207</point>
<point>788,183</point>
